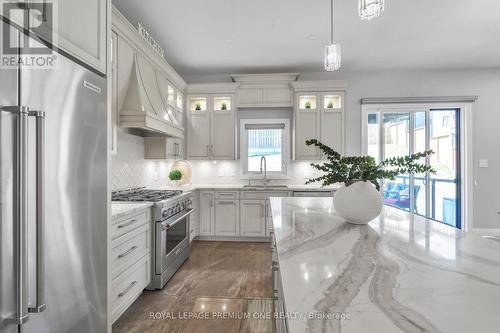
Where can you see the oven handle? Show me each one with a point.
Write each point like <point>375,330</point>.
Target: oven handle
<point>164,224</point>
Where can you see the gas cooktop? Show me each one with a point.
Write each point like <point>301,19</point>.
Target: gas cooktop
<point>143,194</point>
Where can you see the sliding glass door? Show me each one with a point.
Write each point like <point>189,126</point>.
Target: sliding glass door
<point>402,131</point>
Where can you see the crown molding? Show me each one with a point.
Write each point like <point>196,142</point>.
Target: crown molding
<point>319,85</point>
<point>268,78</point>
<point>212,88</point>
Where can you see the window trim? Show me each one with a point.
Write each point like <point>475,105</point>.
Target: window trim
<point>244,174</point>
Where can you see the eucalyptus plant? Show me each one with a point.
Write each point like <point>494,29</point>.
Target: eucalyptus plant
<point>351,169</point>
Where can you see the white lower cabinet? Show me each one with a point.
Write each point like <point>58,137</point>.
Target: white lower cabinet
<point>130,259</point>
<point>129,285</point>
<point>253,218</point>
<point>235,214</point>
<point>227,217</point>
<point>207,213</point>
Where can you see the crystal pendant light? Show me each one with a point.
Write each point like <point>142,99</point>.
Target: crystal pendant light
<point>332,51</point>
<point>369,9</point>
<point>332,57</point>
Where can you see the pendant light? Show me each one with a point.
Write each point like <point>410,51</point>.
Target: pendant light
<point>369,9</point>
<point>332,51</point>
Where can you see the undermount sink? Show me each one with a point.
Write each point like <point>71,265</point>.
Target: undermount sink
<point>265,187</point>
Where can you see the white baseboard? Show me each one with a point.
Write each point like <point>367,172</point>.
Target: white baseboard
<point>233,239</point>
<point>486,231</point>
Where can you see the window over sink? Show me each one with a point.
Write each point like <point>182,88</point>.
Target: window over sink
<point>269,139</point>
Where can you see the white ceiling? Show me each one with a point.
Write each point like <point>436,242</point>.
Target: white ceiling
<point>255,36</point>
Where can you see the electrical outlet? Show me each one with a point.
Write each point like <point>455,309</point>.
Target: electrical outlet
<point>308,174</point>
<point>483,163</point>
<point>221,172</point>
<point>232,173</point>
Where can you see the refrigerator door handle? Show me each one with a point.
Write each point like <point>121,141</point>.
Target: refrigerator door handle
<point>21,314</point>
<point>40,212</point>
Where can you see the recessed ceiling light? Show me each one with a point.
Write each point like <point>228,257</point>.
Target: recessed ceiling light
<point>312,37</point>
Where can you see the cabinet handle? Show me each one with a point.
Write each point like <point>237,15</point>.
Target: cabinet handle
<point>225,202</point>
<point>127,224</point>
<point>129,251</point>
<point>125,292</point>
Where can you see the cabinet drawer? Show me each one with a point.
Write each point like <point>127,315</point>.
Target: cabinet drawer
<point>255,195</point>
<point>227,195</point>
<point>129,223</point>
<point>128,248</point>
<point>128,286</point>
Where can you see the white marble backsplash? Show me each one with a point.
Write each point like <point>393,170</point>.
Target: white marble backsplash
<point>130,169</point>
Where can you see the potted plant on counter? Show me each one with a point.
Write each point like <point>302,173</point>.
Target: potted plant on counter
<point>175,176</point>
<point>359,200</point>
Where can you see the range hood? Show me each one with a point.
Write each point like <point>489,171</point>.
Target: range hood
<point>145,106</point>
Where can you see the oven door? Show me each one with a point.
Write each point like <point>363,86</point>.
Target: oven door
<point>172,236</point>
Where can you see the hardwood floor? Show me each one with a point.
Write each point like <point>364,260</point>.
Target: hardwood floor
<point>228,282</point>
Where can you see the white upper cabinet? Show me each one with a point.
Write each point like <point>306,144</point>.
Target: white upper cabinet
<point>211,127</point>
<point>198,128</point>
<point>80,30</point>
<point>267,90</point>
<point>265,95</point>
<point>223,128</point>
<point>211,122</point>
<point>307,125</point>
<point>319,114</point>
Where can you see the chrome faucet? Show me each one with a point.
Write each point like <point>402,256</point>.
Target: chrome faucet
<point>263,159</point>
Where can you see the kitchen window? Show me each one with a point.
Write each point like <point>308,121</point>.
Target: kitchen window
<point>265,138</point>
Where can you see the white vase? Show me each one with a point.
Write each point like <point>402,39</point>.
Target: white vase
<point>358,203</point>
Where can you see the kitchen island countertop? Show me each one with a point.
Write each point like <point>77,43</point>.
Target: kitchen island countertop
<point>400,273</point>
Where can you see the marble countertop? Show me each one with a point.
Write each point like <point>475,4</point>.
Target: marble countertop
<point>122,208</point>
<point>292,187</point>
<point>400,273</point>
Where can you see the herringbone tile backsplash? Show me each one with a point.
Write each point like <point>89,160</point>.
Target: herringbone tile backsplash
<point>130,169</point>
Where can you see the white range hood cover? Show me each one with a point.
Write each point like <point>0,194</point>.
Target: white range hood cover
<point>145,105</point>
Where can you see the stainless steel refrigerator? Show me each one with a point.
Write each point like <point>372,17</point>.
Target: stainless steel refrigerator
<point>53,211</point>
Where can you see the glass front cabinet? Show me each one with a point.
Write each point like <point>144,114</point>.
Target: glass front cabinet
<point>211,127</point>
<point>321,116</point>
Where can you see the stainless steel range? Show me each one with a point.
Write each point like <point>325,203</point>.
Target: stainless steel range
<point>171,244</point>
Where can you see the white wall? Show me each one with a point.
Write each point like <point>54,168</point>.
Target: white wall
<point>483,83</point>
